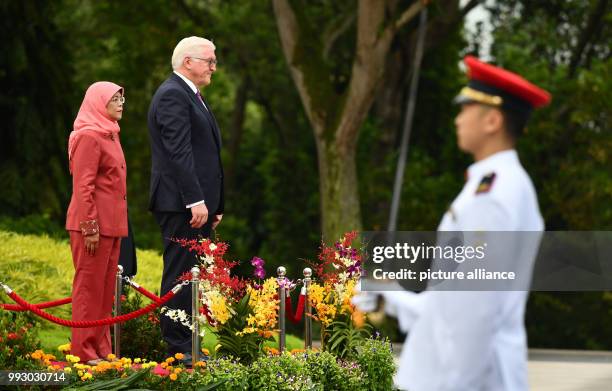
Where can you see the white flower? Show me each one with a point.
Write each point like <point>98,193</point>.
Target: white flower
<point>212,246</point>
<point>182,317</point>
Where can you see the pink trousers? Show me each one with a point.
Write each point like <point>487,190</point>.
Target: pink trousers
<point>93,288</point>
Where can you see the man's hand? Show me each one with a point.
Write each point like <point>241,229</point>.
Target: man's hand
<point>216,221</point>
<point>91,243</point>
<point>199,215</point>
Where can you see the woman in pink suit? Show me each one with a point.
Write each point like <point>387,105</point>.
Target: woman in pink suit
<point>97,215</point>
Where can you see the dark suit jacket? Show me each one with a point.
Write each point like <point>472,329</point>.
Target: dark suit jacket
<point>185,149</point>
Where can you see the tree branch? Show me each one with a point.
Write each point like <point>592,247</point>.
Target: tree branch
<point>288,31</point>
<point>595,19</point>
<point>406,16</point>
<point>331,35</point>
<point>409,14</point>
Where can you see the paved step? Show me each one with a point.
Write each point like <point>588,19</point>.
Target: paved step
<point>563,370</point>
<point>570,370</point>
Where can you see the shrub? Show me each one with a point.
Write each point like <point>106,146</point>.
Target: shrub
<point>329,374</point>
<point>40,268</point>
<point>18,338</point>
<point>232,374</point>
<point>375,357</point>
<point>308,370</point>
<point>279,372</point>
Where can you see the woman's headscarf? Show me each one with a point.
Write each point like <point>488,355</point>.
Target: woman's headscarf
<point>92,114</point>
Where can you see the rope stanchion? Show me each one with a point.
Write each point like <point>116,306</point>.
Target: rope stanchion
<point>297,316</point>
<point>142,290</point>
<point>91,323</point>
<point>282,292</point>
<point>48,304</point>
<point>117,326</point>
<point>307,309</point>
<point>195,311</point>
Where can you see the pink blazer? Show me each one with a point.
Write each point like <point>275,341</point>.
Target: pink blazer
<point>99,191</point>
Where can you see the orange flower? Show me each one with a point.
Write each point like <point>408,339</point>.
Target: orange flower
<point>173,376</point>
<point>179,356</point>
<point>200,364</point>
<point>37,355</point>
<point>358,318</point>
<point>272,351</point>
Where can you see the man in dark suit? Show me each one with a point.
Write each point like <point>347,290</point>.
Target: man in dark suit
<point>186,195</point>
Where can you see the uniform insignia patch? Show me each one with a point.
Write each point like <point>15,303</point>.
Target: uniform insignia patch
<point>486,183</point>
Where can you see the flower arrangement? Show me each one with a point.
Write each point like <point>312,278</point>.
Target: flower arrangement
<point>338,270</point>
<point>243,314</point>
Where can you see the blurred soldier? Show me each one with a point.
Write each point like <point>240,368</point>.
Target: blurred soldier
<point>476,340</point>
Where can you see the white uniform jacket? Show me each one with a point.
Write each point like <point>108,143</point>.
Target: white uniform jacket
<point>475,340</point>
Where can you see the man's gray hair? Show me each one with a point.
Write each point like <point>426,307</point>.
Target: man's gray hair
<point>189,47</point>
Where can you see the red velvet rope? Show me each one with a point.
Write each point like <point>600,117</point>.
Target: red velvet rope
<point>298,311</point>
<point>91,323</point>
<point>145,292</point>
<point>48,304</point>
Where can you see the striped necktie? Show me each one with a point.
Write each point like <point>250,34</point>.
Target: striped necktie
<point>201,100</point>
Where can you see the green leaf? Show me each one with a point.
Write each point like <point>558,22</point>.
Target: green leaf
<point>211,386</point>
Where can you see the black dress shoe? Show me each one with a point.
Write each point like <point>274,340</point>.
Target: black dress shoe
<point>186,360</point>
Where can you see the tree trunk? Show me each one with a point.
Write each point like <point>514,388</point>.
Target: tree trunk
<point>338,190</point>
<point>337,116</point>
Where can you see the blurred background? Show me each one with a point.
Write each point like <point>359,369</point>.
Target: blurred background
<point>291,176</point>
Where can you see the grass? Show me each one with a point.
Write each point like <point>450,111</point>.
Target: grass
<point>39,268</point>
<point>53,336</point>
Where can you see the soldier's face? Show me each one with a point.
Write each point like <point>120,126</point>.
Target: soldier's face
<point>471,127</point>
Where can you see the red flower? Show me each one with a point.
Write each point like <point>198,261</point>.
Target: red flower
<point>152,318</point>
<point>12,336</point>
<point>159,371</point>
<point>348,238</point>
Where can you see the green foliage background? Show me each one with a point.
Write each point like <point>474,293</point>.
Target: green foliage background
<point>54,50</point>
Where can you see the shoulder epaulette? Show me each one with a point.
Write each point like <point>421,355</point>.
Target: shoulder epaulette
<point>486,183</point>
